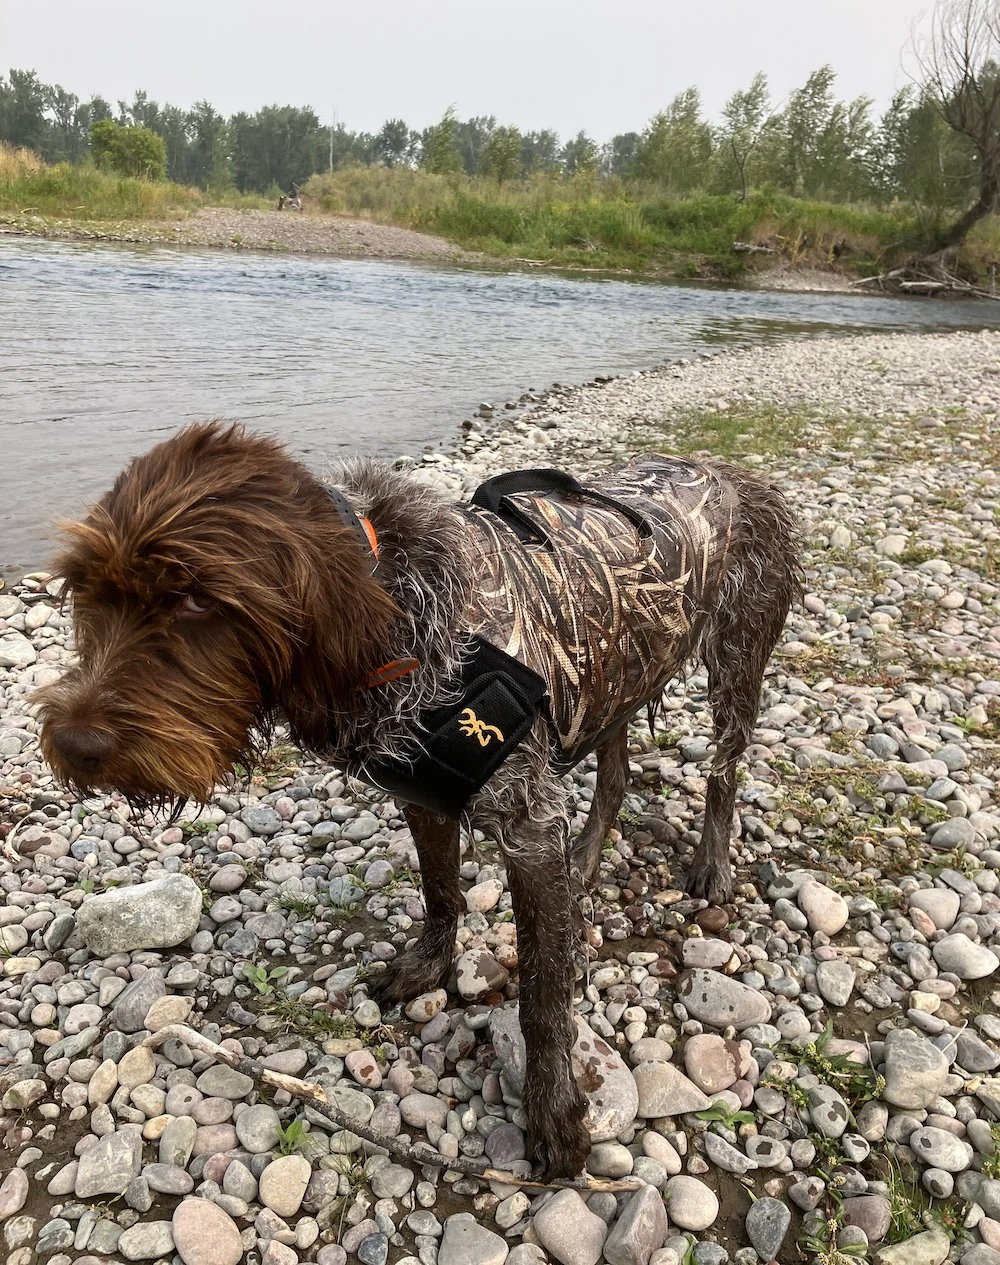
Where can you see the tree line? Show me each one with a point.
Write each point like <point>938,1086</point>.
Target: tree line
<point>811,145</point>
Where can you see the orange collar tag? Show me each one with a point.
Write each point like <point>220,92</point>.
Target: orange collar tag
<point>392,671</point>
<point>370,533</point>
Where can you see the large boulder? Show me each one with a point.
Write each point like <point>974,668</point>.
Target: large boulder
<point>156,915</point>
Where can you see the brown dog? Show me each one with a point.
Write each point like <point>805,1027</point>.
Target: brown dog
<point>219,587</point>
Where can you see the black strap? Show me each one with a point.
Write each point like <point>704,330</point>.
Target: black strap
<point>492,495</point>
<point>467,741</point>
<point>350,519</point>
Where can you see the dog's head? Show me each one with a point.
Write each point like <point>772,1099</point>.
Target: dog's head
<point>214,588</point>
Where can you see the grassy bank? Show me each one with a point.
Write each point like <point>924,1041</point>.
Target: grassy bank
<point>30,187</point>
<point>580,222</point>
<point>603,224</point>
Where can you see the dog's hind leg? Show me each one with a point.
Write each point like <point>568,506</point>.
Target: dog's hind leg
<point>612,778</point>
<point>427,964</point>
<point>758,590</point>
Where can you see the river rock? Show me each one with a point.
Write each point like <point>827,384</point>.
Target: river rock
<point>283,1183</point>
<point>147,1241</point>
<point>466,1242</point>
<point>108,1166</point>
<point>825,909</point>
<point>607,1084</point>
<point>155,915</point>
<point>205,1235</point>
<point>569,1231</point>
<point>940,1149</point>
<point>664,1090</point>
<point>929,1248</point>
<point>691,1205</point>
<point>915,1070</point>
<point>714,1063</point>
<point>477,973</point>
<point>639,1230</point>
<point>767,1224</point>
<point>13,1193</point>
<point>963,957</point>
<point>720,1000</point>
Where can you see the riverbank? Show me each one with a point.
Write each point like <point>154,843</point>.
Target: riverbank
<point>232,229</point>
<point>833,1087</point>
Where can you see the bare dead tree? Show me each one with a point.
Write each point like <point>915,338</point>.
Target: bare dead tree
<point>959,63</point>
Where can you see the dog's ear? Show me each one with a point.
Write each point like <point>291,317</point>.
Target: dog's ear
<point>344,635</point>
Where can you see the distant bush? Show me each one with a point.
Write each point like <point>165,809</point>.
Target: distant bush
<point>129,151</point>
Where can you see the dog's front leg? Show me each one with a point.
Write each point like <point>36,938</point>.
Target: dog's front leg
<point>538,875</point>
<point>427,964</point>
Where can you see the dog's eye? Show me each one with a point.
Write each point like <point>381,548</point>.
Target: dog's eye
<point>191,607</point>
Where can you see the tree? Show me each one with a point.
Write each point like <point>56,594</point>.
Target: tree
<point>960,64</point>
<point>539,152</point>
<point>501,157</point>
<point>580,156</point>
<point>744,118</point>
<point>130,151</point>
<point>676,147</point>
<point>618,156</point>
<point>471,138</point>
<point>23,101</point>
<point>440,153</point>
<point>395,143</point>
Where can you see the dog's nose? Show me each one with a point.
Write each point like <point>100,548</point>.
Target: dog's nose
<point>83,749</point>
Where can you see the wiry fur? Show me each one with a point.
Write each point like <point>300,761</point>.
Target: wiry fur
<point>215,590</point>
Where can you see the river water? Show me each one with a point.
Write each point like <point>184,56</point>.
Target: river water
<point>105,350</point>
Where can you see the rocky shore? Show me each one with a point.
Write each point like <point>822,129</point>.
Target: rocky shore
<point>253,230</point>
<point>811,1074</point>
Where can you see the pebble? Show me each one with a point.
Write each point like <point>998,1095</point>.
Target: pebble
<point>691,1205</point>
<point>568,1230</point>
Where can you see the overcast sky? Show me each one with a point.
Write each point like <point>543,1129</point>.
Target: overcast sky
<point>602,66</point>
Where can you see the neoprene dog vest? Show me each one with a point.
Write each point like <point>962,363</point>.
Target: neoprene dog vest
<point>587,601</point>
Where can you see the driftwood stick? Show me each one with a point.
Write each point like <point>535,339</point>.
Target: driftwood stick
<point>315,1097</point>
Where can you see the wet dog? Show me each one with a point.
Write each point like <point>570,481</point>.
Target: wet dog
<point>220,587</point>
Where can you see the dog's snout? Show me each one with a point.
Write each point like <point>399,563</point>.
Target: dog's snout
<point>83,749</point>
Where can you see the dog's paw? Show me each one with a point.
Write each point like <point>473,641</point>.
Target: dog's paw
<point>558,1140</point>
<point>408,977</point>
<point>711,881</point>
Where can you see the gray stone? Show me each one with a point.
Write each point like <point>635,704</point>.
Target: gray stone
<point>168,1179</point>
<point>828,1111</point>
<point>767,1224</point>
<point>940,904</point>
<point>962,957</point>
<point>258,1127</point>
<point>725,1156</point>
<point>607,1084</point>
<point>177,1141</point>
<point>568,1230</point>
<point>134,1002</point>
<point>664,1090</point>
<point>940,1149</point>
<point>147,1241</point>
<point>720,1000</point>
<point>373,1250</point>
<point>465,1242</point>
<point>835,981</point>
<point>392,1181</point>
<point>870,1213</point>
<point>154,915</point>
<point>13,1193</point>
<point>929,1248</point>
<point>639,1230</point>
<point>108,1166</point>
<point>691,1205</point>
<point>915,1070</point>
<point>220,1081</point>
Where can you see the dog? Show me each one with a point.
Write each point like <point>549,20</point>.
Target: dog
<point>220,587</point>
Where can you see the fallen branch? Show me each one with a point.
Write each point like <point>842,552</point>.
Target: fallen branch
<point>316,1098</point>
<point>751,248</point>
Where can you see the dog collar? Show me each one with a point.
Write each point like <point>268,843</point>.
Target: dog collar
<point>365,533</point>
<point>361,527</point>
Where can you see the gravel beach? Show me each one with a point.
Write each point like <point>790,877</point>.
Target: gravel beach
<point>811,1074</point>
<point>254,230</point>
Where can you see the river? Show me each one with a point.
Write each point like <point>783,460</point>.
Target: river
<point>104,350</point>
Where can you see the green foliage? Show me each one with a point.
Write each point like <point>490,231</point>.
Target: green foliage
<point>129,151</point>
<point>292,1138</point>
<point>721,1114</point>
<point>501,157</point>
<point>856,1083</point>
<point>676,147</point>
<point>262,979</point>
<point>440,153</point>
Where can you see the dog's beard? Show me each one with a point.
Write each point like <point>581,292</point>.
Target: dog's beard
<point>171,753</point>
